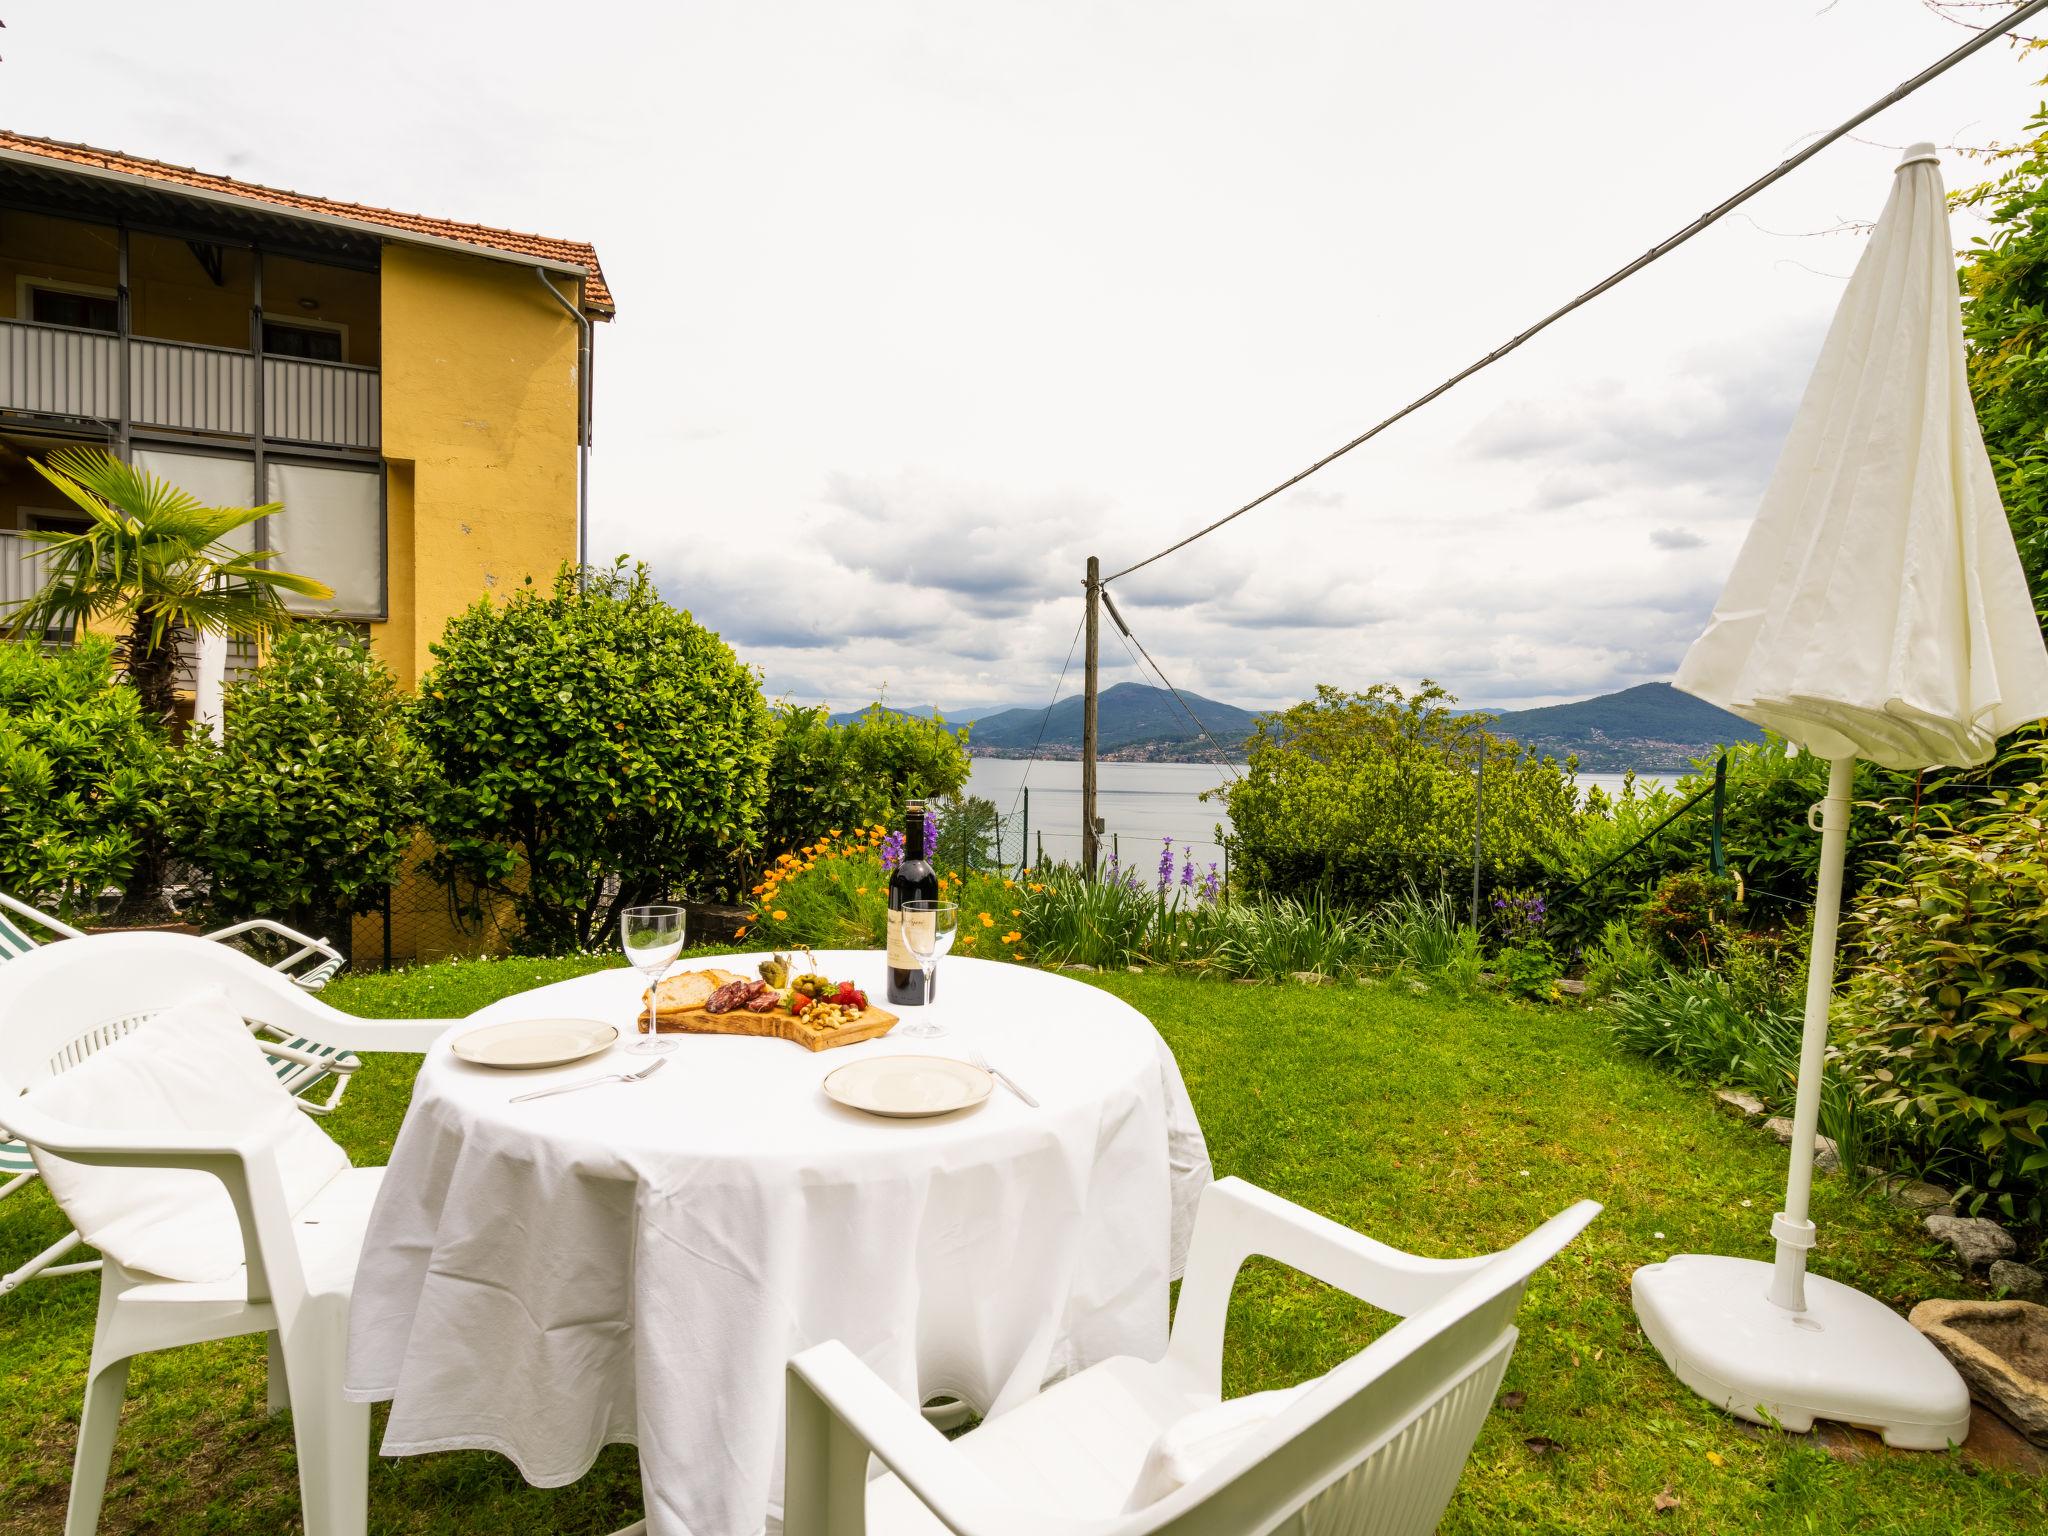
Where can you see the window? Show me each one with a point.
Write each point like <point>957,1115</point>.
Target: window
<point>315,343</point>
<point>216,479</point>
<point>331,529</point>
<point>86,311</point>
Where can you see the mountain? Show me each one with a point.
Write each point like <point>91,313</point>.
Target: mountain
<point>1652,728</point>
<point>1133,721</point>
<point>915,711</point>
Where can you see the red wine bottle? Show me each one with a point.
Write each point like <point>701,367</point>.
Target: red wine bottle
<point>913,879</point>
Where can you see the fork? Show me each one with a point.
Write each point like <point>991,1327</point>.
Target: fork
<point>642,1075</point>
<point>974,1055</point>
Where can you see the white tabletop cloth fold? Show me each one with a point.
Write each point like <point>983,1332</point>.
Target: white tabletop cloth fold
<point>638,1263</point>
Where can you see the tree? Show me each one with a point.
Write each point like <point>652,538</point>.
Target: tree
<point>856,773</point>
<point>82,775</point>
<point>306,806</point>
<point>1364,795</point>
<point>595,749</point>
<point>153,561</point>
<point>2005,328</point>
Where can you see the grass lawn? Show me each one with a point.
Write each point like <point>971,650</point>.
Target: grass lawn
<point>1447,1126</point>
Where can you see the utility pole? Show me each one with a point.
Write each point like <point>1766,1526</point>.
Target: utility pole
<point>1091,826</point>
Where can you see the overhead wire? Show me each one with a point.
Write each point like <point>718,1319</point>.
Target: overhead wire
<point>1024,779</point>
<point>1664,247</point>
<point>1188,709</point>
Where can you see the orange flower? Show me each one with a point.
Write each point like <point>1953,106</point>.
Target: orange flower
<point>987,921</point>
<point>1035,886</point>
<point>860,890</point>
<point>1009,885</point>
<point>739,933</point>
<point>833,833</point>
<point>1013,938</point>
<point>780,915</point>
<point>1017,954</point>
<point>1016,911</point>
<point>759,889</point>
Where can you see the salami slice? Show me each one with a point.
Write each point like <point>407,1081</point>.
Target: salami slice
<point>731,995</point>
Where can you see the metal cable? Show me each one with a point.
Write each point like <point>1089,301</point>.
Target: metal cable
<point>1712,216</point>
<point>1186,708</point>
<point>1024,779</point>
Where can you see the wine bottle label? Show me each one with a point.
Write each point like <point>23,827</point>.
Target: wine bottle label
<point>900,953</point>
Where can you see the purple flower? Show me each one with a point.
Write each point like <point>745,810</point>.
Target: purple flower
<point>1211,884</point>
<point>1165,865</point>
<point>1187,873</point>
<point>892,851</point>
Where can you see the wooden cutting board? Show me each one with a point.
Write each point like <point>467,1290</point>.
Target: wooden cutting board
<point>779,1025</point>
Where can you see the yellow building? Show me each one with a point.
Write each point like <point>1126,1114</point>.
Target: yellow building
<point>415,391</point>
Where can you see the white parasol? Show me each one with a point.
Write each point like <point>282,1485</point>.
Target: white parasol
<point>1877,610</point>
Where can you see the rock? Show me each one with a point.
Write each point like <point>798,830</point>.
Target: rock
<point>1571,987</point>
<point>1742,1103</point>
<point>2001,1350</point>
<point>2019,1282</point>
<point>1976,1240</point>
<point>1084,969</point>
<point>1918,1195</point>
<point>1826,1157</point>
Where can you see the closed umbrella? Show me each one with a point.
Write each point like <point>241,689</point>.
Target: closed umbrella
<point>1877,610</point>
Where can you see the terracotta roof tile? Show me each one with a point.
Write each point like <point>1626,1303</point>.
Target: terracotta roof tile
<point>597,296</point>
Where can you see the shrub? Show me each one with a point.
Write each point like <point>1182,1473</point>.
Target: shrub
<point>824,775</point>
<point>1366,796</point>
<point>306,806</point>
<point>83,774</point>
<point>1686,917</point>
<point>1948,1007</point>
<point>595,749</point>
<point>1766,842</point>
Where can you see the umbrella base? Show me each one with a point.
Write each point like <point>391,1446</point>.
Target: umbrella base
<point>1847,1357</point>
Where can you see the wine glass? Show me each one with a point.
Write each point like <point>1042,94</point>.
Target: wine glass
<point>928,930</point>
<point>652,937</point>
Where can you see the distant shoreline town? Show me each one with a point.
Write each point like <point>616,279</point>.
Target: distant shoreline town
<point>1650,728</point>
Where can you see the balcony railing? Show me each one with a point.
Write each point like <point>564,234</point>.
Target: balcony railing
<point>182,387</point>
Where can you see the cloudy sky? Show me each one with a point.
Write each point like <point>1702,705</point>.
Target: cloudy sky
<point>923,301</point>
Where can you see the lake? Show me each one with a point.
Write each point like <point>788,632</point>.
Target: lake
<point>1139,803</point>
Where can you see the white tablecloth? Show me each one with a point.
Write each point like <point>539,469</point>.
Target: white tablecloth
<point>638,1262</point>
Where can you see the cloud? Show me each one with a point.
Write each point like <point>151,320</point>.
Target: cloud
<point>1714,425</point>
<point>1675,538</point>
<point>1000,551</point>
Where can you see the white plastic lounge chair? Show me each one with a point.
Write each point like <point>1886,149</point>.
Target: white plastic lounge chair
<point>1376,1446</point>
<point>62,1004</point>
<point>300,1064</point>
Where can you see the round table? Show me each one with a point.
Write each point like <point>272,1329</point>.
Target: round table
<point>637,1262</point>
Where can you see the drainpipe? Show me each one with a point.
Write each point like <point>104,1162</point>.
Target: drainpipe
<point>582,420</point>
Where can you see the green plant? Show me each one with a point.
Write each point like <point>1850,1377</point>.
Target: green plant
<point>1686,917</point>
<point>1607,870</point>
<point>306,806</point>
<point>856,773</point>
<point>82,774</point>
<point>970,832</point>
<point>594,748</point>
<point>1526,970</point>
<point>1365,795</point>
<point>154,561</point>
<point>1619,959</point>
<point>1949,1004</point>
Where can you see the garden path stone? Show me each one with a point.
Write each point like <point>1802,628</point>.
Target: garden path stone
<point>1742,1103</point>
<point>1919,1195</point>
<point>2001,1350</point>
<point>1827,1158</point>
<point>1977,1241</point>
<point>2020,1282</point>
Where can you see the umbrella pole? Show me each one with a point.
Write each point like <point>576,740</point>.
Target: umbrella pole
<point>1791,1228</point>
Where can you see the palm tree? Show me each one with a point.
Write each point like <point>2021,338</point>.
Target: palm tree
<point>153,561</point>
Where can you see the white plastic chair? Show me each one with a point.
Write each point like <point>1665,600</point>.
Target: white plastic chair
<point>58,1005</point>
<point>301,1064</point>
<point>1376,1446</point>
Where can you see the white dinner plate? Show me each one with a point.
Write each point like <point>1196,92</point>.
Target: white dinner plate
<point>534,1042</point>
<point>906,1087</point>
